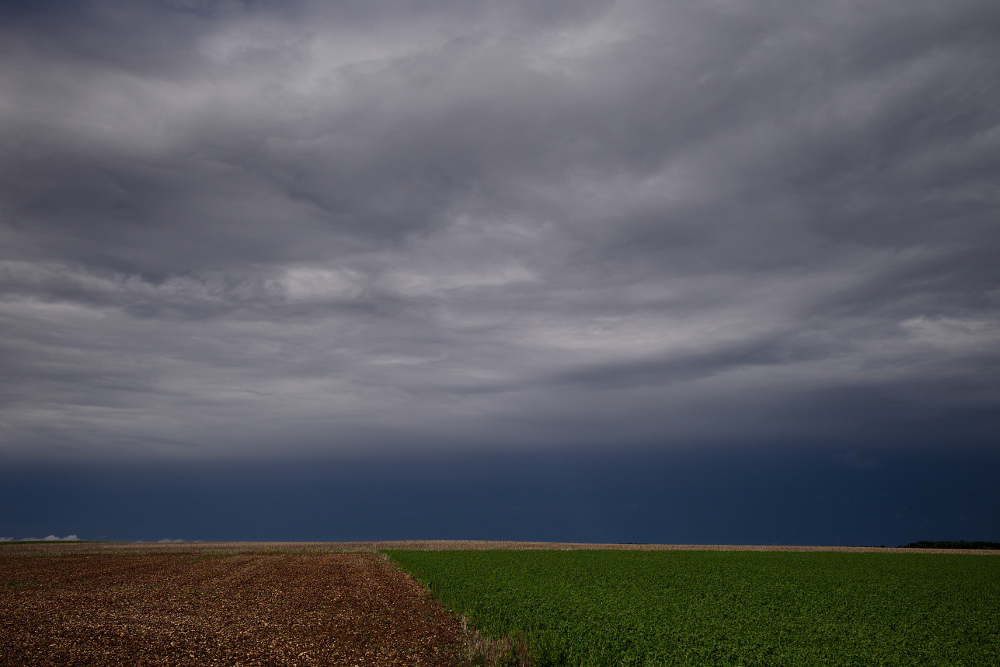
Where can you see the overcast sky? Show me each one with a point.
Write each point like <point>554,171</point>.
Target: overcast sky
<point>299,229</point>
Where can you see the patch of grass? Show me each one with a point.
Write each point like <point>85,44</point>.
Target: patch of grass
<point>639,608</point>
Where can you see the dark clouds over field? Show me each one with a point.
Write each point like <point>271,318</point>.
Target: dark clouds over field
<point>326,231</point>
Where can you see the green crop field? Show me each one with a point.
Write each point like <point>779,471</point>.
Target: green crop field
<point>649,608</point>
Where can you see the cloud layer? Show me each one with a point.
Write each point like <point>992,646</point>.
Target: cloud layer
<point>244,228</point>
<point>50,538</point>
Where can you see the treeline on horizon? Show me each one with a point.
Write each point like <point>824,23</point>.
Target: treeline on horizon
<point>962,544</point>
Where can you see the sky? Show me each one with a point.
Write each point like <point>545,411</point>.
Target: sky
<point>591,270</point>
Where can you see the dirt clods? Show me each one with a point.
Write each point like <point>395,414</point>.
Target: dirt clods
<point>219,609</point>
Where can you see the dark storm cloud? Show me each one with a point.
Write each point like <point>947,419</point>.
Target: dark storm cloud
<point>233,227</point>
<point>838,495</point>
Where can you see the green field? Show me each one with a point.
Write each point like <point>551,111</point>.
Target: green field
<point>649,608</point>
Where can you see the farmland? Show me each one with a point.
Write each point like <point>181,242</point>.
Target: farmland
<point>342,603</point>
<point>724,608</point>
<point>196,607</point>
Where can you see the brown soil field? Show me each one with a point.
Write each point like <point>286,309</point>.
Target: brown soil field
<point>241,603</point>
<point>261,608</point>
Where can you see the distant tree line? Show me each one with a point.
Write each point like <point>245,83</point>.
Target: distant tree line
<point>962,544</point>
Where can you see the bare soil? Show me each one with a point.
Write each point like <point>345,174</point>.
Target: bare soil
<point>228,609</point>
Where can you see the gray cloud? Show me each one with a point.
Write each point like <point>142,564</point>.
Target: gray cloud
<point>857,461</point>
<point>234,227</point>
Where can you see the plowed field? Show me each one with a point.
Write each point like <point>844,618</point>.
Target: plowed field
<point>219,609</point>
